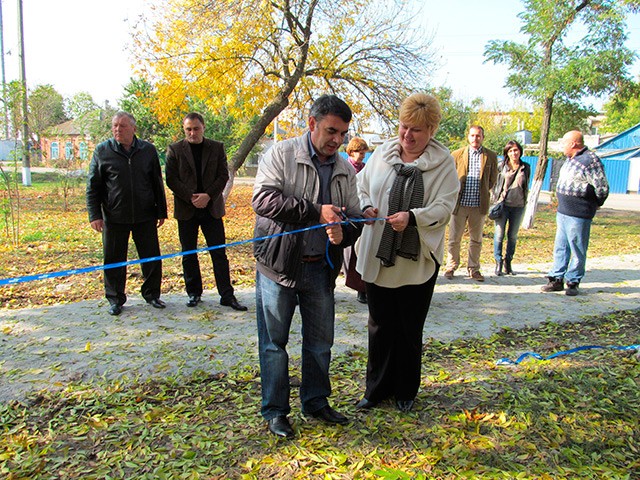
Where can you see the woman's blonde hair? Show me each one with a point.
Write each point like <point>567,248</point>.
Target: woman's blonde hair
<point>357,144</point>
<point>421,109</point>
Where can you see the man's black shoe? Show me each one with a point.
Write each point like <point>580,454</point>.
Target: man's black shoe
<point>281,427</point>
<point>115,309</point>
<point>193,300</point>
<point>365,404</point>
<point>404,406</point>
<point>233,303</point>
<point>362,297</point>
<point>329,415</point>
<point>156,303</point>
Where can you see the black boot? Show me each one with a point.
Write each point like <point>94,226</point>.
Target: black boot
<point>499,268</point>
<point>507,267</point>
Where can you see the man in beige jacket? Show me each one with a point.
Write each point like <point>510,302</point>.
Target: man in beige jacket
<point>478,172</point>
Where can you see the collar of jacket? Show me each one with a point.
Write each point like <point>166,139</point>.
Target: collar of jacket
<point>117,146</point>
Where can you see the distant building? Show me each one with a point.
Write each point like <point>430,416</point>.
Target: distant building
<point>65,141</point>
<point>10,149</point>
<point>621,157</point>
<point>524,137</point>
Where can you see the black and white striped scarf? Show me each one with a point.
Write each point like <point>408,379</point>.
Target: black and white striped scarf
<point>406,193</point>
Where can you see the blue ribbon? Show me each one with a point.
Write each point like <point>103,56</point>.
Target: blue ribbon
<point>507,361</point>
<point>77,271</point>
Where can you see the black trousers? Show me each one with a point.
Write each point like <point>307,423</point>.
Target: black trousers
<point>396,320</point>
<point>213,231</point>
<point>115,243</point>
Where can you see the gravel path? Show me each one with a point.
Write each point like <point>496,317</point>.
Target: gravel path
<point>45,348</point>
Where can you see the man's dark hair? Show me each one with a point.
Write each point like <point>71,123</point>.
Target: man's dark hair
<point>330,105</point>
<point>193,116</point>
<point>477,127</point>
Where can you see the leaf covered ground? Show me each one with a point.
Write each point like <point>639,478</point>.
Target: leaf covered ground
<point>571,417</point>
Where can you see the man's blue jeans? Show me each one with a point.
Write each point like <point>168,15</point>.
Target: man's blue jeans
<point>570,249</point>
<point>275,306</point>
<point>513,215</point>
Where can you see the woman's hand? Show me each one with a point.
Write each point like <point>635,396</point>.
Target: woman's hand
<point>370,213</point>
<point>398,221</point>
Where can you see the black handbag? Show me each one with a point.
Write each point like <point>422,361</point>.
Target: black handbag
<point>497,211</point>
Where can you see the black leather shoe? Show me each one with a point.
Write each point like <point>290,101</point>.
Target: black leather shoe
<point>329,415</point>
<point>404,406</point>
<point>233,303</point>
<point>281,427</point>
<point>156,303</point>
<point>115,309</point>
<point>365,404</point>
<point>362,297</point>
<point>193,300</point>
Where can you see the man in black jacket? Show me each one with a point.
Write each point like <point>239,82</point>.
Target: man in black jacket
<point>125,196</point>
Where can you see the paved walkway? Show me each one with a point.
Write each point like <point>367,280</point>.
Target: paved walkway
<point>50,346</point>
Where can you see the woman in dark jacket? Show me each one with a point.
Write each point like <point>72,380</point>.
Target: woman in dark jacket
<point>512,188</point>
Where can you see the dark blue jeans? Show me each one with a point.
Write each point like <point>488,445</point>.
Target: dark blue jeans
<point>570,248</point>
<point>513,216</point>
<point>275,306</point>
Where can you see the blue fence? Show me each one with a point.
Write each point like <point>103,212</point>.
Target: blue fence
<point>533,163</point>
<point>617,172</point>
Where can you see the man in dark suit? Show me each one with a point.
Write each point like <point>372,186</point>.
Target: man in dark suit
<point>197,173</point>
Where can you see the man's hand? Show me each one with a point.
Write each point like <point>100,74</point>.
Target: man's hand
<point>334,232</point>
<point>398,221</point>
<point>200,200</point>
<point>331,214</point>
<point>97,225</point>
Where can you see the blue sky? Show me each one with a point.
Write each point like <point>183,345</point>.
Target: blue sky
<point>100,31</point>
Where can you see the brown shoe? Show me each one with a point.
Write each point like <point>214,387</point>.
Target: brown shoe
<point>477,276</point>
<point>448,274</point>
<point>553,285</point>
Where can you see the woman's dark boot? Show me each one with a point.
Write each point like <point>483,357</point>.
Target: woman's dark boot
<point>507,267</point>
<point>499,268</point>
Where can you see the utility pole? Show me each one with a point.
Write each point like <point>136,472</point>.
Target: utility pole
<point>5,107</point>
<point>26,163</point>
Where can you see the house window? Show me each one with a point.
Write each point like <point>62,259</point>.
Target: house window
<point>55,151</point>
<point>68,150</point>
<point>84,151</point>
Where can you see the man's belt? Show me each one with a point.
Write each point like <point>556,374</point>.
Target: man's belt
<point>312,258</point>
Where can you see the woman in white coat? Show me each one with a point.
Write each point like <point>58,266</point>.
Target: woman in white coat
<point>411,181</point>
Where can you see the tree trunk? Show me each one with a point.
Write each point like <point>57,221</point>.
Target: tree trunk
<point>541,166</point>
<point>281,101</point>
<point>252,138</point>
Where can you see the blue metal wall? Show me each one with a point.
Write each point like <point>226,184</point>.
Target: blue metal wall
<point>617,172</point>
<point>533,162</point>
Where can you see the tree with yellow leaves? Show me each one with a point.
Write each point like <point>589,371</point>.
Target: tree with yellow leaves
<point>255,58</point>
